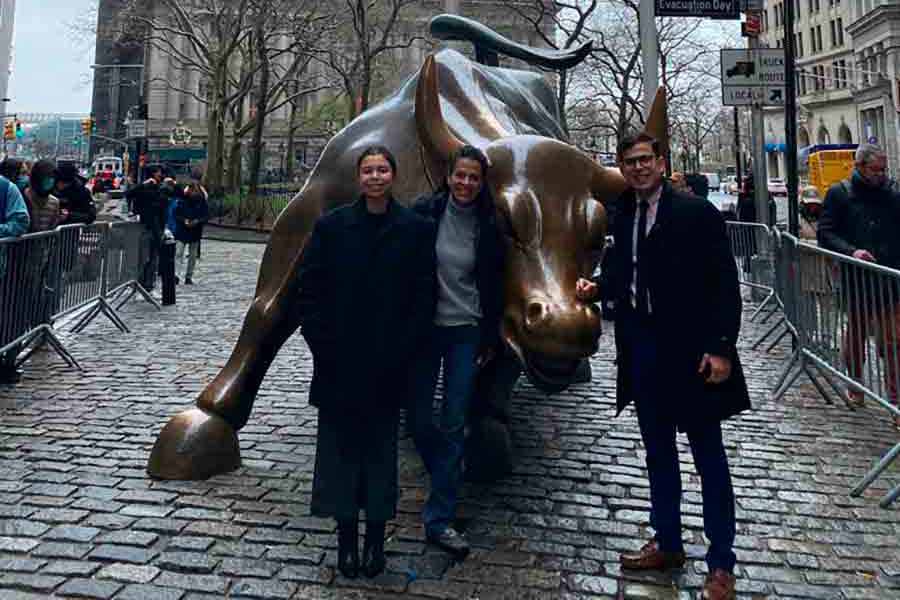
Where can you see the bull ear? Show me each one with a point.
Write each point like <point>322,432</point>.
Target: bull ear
<point>436,138</point>
<point>657,124</point>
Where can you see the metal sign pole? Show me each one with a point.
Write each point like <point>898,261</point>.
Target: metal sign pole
<point>649,52</point>
<point>790,118</point>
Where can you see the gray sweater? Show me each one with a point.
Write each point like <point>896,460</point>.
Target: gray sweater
<point>458,302</point>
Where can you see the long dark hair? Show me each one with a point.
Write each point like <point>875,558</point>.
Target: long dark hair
<point>40,172</point>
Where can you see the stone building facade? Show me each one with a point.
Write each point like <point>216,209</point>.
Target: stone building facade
<point>117,98</point>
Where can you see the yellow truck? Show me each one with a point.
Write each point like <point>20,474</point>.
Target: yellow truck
<point>828,164</point>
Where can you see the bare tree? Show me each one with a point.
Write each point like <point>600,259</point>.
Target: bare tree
<point>363,32</point>
<point>560,25</point>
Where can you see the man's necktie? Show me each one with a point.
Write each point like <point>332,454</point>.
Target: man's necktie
<point>641,283</point>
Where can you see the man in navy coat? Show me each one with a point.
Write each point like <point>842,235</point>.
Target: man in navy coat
<point>678,312</point>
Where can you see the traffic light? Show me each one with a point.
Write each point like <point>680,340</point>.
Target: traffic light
<point>20,133</point>
<point>87,126</point>
<point>9,130</point>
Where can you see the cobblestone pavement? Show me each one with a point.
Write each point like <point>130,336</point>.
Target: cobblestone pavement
<point>80,518</point>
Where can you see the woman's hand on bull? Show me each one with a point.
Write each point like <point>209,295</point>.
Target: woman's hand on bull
<point>586,290</point>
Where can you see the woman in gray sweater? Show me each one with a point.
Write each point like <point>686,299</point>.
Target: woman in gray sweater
<point>465,333</point>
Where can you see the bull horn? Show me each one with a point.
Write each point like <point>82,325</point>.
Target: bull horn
<point>657,124</point>
<point>436,138</point>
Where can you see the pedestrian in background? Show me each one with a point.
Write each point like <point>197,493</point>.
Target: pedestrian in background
<point>45,211</point>
<point>150,204</point>
<point>14,221</point>
<point>464,335</point>
<point>191,212</point>
<point>861,218</point>
<point>678,313</point>
<point>76,205</point>
<point>679,183</point>
<point>366,298</point>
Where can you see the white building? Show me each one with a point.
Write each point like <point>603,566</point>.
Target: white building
<point>875,29</point>
<point>826,107</point>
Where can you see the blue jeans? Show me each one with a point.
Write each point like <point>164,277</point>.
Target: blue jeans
<point>441,446</point>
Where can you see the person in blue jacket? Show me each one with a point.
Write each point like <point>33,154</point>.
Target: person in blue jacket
<point>14,221</point>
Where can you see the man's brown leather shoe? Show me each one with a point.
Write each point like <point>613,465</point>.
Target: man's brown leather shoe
<point>719,586</point>
<point>650,557</point>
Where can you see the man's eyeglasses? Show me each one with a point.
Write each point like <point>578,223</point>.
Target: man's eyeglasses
<point>642,160</point>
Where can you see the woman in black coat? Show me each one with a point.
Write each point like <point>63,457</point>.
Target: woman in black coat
<point>366,296</point>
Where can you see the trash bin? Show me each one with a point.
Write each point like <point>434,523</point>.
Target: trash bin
<point>167,270</point>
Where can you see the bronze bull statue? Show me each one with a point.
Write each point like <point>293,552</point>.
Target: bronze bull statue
<point>550,202</point>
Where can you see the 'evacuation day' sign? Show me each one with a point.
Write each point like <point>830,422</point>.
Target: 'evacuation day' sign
<point>711,9</point>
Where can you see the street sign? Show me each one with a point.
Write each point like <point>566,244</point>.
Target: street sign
<point>753,76</point>
<point>137,128</point>
<point>710,9</point>
<point>752,27</point>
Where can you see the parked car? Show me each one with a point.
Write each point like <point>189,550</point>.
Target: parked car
<point>726,203</point>
<point>777,187</point>
<point>712,180</point>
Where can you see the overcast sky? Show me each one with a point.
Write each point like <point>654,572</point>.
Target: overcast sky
<point>51,71</point>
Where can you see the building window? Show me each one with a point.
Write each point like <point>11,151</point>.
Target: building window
<point>812,40</point>
<point>802,82</point>
<point>809,6</point>
<point>833,36</point>
<point>766,21</point>
<point>817,5</point>
<point>819,37</point>
<point>799,43</point>
<point>840,31</point>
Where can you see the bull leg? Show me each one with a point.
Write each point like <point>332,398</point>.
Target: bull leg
<point>489,450</point>
<point>201,442</point>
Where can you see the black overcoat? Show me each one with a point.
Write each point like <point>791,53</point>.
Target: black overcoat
<point>365,305</point>
<point>696,305</point>
<point>366,299</point>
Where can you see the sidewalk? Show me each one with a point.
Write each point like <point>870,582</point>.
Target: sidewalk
<point>80,518</point>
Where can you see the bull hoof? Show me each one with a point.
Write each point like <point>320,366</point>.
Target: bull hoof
<point>489,451</point>
<point>194,445</point>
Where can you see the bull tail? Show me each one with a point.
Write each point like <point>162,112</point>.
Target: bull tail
<point>489,43</point>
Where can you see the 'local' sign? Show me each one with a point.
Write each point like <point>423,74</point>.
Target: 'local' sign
<point>711,9</point>
<point>753,76</point>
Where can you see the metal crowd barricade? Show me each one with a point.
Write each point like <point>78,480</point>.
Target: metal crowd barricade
<point>126,253</point>
<point>845,316</point>
<point>750,244</point>
<point>29,282</point>
<point>73,271</point>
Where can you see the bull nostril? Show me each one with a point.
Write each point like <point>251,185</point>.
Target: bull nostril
<point>534,313</point>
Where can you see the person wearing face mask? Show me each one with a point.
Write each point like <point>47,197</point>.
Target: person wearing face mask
<point>464,335</point>
<point>45,213</point>
<point>861,218</point>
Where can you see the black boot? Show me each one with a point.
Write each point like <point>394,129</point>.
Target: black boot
<point>348,548</point>
<point>373,552</point>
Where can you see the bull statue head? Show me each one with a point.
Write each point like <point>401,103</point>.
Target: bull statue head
<point>549,199</point>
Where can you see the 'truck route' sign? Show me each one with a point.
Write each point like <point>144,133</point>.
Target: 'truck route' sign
<point>753,76</point>
<point>711,9</point>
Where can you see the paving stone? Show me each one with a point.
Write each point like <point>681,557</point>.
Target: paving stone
<point>128,554</point>
<point>31,582</point>
<point>90,588</point>
<point>191,543</point>
<point>21,527</point>
<point>21,565</point>
<point>306,574</point>
<point>142,539</point>
<point>126,573</point>
<point>193,582</point>
<point>59,515</point>
<point>149,592</point>
<point>296,555</point>
<point>592,584</point>
<point>69,568</point>
<point>72,533</point>
<point>242,567</point>
<point>65,550</point>
<point>262,589</point>
<point>16,545</point>
<point>187,562</point>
